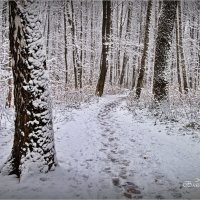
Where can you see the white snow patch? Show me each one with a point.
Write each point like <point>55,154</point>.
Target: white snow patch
<point>105,140</point>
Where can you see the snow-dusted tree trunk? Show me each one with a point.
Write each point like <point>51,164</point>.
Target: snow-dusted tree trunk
<point>139,31</point>
<point>163,40</point>
<point>80,69</point>
<point>119,39</point>
<point>145,51</point>
<point>65,39</point>
<point>182,57</point>
<point>75,51</point>
<point>48,30</point>
<point>5,51</point>
<point>111,49</point>
<point>33,148</point>
<point>178,52</point>
<point>4,21</point>
<point>92,55</point>
<point>127,37</point>
<point>105,46</point>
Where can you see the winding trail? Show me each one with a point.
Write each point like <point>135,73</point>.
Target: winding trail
<point>110,142</point>
<point>104,151</point>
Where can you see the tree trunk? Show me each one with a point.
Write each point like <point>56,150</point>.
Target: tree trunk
<point>74,47</point>
<point>4,21</point>
<point>145,51</point>
<point>65,39</point>
<point>178,52</point>
<point>134,73</point>
<point>105,46</point>
<point>33,147</point>
<point>128,29</point>
<point>119,38</point>
<point>92,46</point>
<point>48,30</point>
<point>4,37</point>
<point>111,50</point>
<point>165,28</point>
<point>9,95</point>
<point>80,69</point>
<point>182,59</point>
<point>191,73</point>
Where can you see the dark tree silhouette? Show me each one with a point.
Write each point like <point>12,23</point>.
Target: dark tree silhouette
<point>33,147</point>
<point>163,40</point>
<point>105,46</point>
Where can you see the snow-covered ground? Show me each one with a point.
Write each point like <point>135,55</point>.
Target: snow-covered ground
<point>104,151</point>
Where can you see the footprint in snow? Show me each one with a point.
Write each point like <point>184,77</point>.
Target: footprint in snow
<point>129,189</point>
<point>43,179</point>
<point>113,151</point>
<point>112,159</point>
<point>111,139</point>
<point>159,197</point>
<point>125,162</point>
<point>102,149</point>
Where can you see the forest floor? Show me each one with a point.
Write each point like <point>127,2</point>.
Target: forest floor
<point>106,151</point>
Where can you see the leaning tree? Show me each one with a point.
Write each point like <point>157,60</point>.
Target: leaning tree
<point>33,148</point>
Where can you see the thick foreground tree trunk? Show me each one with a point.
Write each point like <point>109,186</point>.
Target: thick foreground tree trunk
<point>105,46</point>
<point>163,40</point>
<point>33,149</point>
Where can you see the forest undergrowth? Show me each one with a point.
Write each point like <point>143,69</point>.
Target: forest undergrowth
<point>180,110</point>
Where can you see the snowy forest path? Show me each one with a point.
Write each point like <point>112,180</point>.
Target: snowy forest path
<point>109,145</point>
<point>104,150</point>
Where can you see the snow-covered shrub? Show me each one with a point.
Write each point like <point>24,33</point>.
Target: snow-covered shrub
<point>180,108</point>
<point>184,107</point>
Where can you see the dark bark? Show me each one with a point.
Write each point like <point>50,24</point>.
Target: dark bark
<point>135,70</point>
<point>178,53</point>
<point>119,38</point>
<point>80,69</point>
<point>191,74</point>
<point>105,46</point>
<point>111,51</point>
<point>74,47</point>
<point>33,139</point>
<point>9,95</point>
<point>65,39</point>
<point>48,30</point>
<point>133,78</point>
<point>182,59</point>
<point>163,40</point>
<point>145,51</point>
<point>92,46</point>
